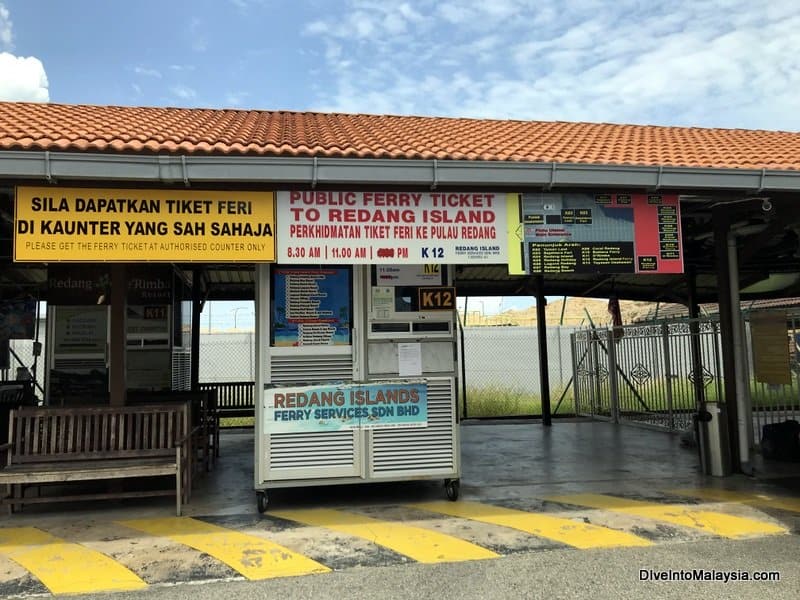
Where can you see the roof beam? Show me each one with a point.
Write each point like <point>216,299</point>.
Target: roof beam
<point>193,169</point>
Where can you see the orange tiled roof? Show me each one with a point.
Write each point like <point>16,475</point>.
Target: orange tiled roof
<point>59,127</point>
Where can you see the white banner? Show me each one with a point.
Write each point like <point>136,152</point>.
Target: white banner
<point>392,227</point>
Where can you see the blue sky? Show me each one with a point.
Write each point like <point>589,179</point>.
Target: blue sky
<point>714,63</point>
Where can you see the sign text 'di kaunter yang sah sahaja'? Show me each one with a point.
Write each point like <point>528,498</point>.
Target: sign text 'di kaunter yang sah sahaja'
<point>131,225</point>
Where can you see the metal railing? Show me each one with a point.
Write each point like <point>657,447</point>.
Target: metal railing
<point>645,374</point>
<point>234,398</point>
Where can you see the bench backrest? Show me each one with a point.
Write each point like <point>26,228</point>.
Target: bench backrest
<point>53,434</point>
<point>201,402</point>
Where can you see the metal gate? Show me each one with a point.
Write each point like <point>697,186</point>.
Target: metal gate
<point>645,374</point>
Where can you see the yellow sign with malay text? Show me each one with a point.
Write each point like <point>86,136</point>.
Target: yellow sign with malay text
<point>133,225</point>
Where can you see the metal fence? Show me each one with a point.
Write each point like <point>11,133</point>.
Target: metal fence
<point>646,375</point>
<point>227,356</point>
<point>22,355</point>
<point>501,366</point>
<point>224,356</point>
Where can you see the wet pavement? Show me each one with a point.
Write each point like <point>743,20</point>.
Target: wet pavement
<point>524,488</point>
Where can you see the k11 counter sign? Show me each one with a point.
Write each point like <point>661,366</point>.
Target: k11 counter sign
<point>374,405</point>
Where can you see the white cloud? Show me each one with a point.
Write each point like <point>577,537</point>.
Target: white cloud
<point>197,39</point>
<point>245,5</point>
<point>23,77</point>
<point>316,28</point>
<point>369,21</point>
<point>183,92</point>
<point>236,99</point>
<point>479,14</point>
<point>6,36</point>
<point>145,72</point>
<point>725,63</point>
<point>23,80</point>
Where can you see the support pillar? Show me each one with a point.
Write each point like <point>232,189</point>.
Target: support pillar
<point>544,371</point>
<point>117,359</point>
<point>197,297</point>
<point>263,375</point>
<point>721,229</point>
<point>744,426</point>
<point>697,369</point>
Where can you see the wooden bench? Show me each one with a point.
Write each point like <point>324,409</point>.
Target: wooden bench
<point>67,445</point>
<point>204,417</point>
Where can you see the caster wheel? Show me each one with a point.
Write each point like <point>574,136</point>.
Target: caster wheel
<point>263,502</point>
<point>451,488</point>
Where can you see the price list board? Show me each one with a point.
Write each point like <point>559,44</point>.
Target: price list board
<point>311,307</point>
<point>581,257</point>
<point>600,233</point>
<point>668,239</point>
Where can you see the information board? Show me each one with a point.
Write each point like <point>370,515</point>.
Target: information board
<point>770,340</point>
<point>598,233</point>
<point>311,306</point>
<point>61,224</point>
<point>80,330</point>
<point>387,227</point>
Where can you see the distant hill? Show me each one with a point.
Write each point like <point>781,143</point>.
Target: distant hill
<point>575,313</point>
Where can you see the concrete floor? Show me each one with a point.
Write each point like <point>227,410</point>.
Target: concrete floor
<point>508,465</point>
<point>501,461</point>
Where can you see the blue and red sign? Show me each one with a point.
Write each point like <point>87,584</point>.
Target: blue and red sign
<point>600,233</point>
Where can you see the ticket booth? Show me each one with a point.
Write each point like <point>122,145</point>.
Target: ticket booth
<point>357,353</point>
<point>157,324</point>
<point>360,376</point>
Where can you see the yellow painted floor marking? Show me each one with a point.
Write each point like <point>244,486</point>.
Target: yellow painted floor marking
<point>420,544</point>
<point>677,514</point>
<point>756,499</point>
<point>566,531</point>
<point>63,567</point>
<point>251,556</point>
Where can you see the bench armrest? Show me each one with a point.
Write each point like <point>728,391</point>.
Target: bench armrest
<point>189,435</point>
<point>5,446</point>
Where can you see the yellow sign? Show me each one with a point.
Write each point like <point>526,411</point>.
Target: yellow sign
<point>769,336</point>
<point>130,225</point>
<point>515,234</point>
<point>437,298</point>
